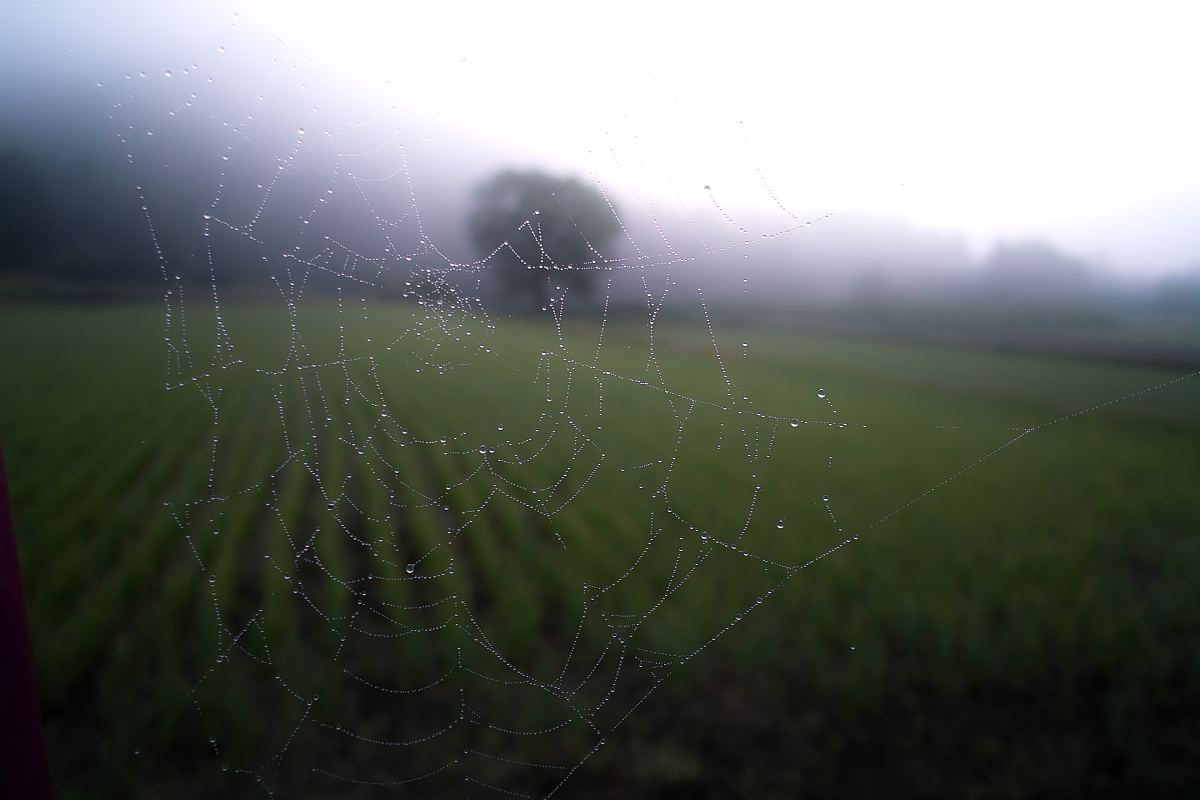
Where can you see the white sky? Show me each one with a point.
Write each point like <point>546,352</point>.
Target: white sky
<point>1076,120</point>
<point>1026,118</point>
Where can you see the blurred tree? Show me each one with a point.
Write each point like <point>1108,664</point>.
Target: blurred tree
<point>1034,272</point>
<point>542,231</point>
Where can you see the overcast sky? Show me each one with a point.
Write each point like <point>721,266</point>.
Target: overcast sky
<point>1072,121</point>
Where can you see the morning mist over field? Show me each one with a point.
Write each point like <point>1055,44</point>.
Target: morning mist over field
<point>1029,163</point>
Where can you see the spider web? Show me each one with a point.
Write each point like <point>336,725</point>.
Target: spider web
<point>476,544</point>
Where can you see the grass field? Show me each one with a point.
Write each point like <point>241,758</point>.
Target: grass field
<point>221,599</point>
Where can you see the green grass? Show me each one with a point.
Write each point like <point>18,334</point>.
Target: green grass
<point>1018,616</point>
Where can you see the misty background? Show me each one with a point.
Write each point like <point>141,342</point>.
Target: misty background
<point>97,106</point>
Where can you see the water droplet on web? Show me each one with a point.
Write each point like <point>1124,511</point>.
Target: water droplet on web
<point>300,131</point>
<point>410,569</point>
<point>825,498</point>
<point>212,578</point>
<point>821,393</point>
<point>779,524</point>
<point>795,423</point>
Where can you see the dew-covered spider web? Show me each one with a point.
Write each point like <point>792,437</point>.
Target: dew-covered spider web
<point>447,547</point>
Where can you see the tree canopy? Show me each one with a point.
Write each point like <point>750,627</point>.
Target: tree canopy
<point>542,231</point>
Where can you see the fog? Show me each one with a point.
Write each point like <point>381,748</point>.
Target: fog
<point>808,154</point>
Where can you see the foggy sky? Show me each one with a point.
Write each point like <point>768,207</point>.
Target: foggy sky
<point>1066,122</point>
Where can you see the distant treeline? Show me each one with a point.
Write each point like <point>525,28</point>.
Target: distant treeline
<point>72,226</point>
<point>74,217</point>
